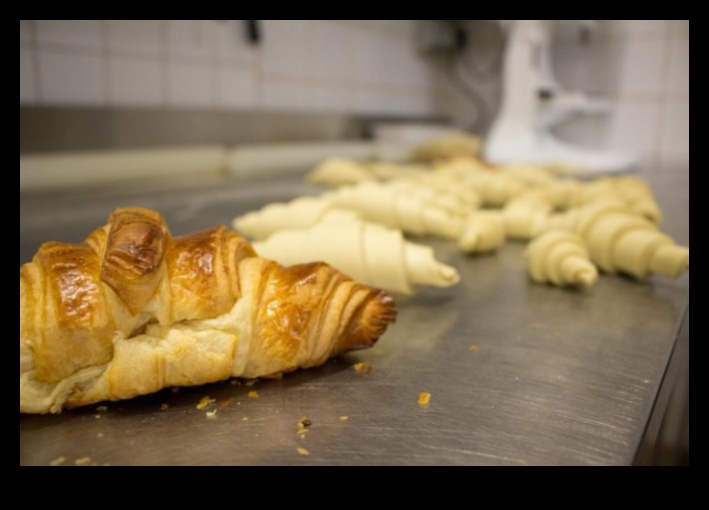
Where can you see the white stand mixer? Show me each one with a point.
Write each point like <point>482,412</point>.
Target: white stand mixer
<point>533,102</point>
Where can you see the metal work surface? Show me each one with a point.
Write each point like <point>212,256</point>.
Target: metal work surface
<point>555,378</point>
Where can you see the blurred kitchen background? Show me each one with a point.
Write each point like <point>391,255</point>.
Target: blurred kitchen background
<point>379,68</point>
<point>125,84</point>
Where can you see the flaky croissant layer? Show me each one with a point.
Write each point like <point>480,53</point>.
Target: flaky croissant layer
<point>132,311</point>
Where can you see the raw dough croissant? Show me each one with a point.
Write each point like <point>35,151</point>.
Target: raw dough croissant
<point>400,210</point>
<point>621,241</point>
<point>484,232</point>
<point>561,258</point>
<point>370,253</point>
<point>132,311</point>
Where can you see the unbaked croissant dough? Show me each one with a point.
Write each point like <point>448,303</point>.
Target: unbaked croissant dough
<point>300,213</point>
<point>561,258</point>
<point>454,145</point>
<point>369,253</point>
<point>484,232</point>
<point>132,311</point>
<point>412,214</point>
<point>336,172</point>
<point>526,215</point>
<point>621,241</point>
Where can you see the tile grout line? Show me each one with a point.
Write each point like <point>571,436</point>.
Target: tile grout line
<point>658,153</point>
<point>106,61</point>
<point>36,68</point>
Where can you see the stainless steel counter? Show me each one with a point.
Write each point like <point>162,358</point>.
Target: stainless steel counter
<point>558,378</point>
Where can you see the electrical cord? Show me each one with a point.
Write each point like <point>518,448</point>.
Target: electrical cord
<point>482,109</point>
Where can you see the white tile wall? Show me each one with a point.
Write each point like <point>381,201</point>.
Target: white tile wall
<point>68,78</point>
<point>643,67</point>
<point>135,82</point>
<point>675,131</point>
<point>318,65</point>
<point>328,55</point>
<point>192,40</point>
<point>288,95</point>
<point>79,34</point>
<point>191,84</point>
<point>27,76</point>
<point>136,36</point>
<point>285,47</point>
<point>25,35</point>
<point>232,46</point>
<point>678,76</point>
<point>236,87</point>
<point>633,127</point>
<point>360,66</point>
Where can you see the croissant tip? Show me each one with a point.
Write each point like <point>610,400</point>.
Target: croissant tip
<point>378,313</point>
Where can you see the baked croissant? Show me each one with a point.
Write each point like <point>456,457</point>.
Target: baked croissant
<point>132,311</point>
<point>370,253</point>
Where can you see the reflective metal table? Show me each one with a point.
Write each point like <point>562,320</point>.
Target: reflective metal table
<point>555,377</point>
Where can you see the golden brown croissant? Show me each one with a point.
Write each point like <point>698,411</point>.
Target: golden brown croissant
<point>132,311</point>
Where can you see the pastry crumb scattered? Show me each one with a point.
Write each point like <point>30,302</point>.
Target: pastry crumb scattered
<point>236,382</point>
<point>100,436</point>
<point>58,462</point>
<point>303,452</point>
<point>245,418</point>
<point>305,423</point>
<point>102,409</point>
<point>474,348</point>
<point>251,383</point>
<point>425,399</point>
<point>364,368</point>
<point>303,432</point>
<point>164,408</point>
<point>344,418</point>
<point>205,403</point>
<point>226,403</point>
<point>85,461</point>
<point>212,415</point>
<point>254,395</point>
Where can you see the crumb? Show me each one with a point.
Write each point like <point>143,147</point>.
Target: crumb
<point>246,418</point>
<point>58,462</point>
<point>102,409</point>
<point>474,348</point>
<point>205,403</point>
<point>303,432</point>
<point>305,423</point>
<point>98,416</point>
<point>85,461</point>
<point>364,368</point>
<point>344,418</point>
<point>424,399</point>
<point>226,403</point>
<point>303,452</point>
<point>236,382</point>
<point>164,408</point>
<point>254,395</point>
<point>212,415</point>
<point>251,383</point>
<point>100,436</point>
